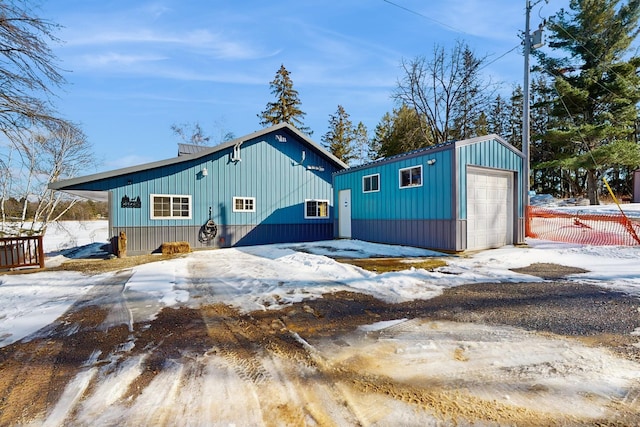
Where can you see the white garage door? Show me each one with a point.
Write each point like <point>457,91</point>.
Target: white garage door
<point>489,208</point>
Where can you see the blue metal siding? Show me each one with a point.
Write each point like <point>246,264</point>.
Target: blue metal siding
<point>490,154</point>
<point>433,215</point>
<point>432,200</point>
<point>433,234</point>
<point>269,172</point>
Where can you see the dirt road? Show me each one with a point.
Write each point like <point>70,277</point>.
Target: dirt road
<point>204,363</point>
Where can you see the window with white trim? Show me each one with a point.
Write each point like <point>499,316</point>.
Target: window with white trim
<point>244,204</point>
<point>371,183</point>
<point>170,206</point>
<point>316,209</point>
<point>411,177</point>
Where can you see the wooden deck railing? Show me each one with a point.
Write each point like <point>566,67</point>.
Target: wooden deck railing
<point>18,252</point>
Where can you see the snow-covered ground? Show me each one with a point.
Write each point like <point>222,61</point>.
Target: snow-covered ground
<point>501,363</point>
<point>269,276</point>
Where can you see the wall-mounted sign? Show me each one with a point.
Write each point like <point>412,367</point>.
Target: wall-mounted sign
<point>126,202</point>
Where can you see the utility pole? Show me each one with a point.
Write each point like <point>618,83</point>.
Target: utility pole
<point>530,42</point>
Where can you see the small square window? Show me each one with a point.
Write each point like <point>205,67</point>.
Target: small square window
<point>371,183</point>
<point>244,204</point>
<point>411,177</point>
<point>316,209</point>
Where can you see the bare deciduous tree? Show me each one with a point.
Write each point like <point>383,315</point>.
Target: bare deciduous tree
<point>190,133</point>
<point>38,147</point>
<point>447,91</point>
<point>28,70</point>
<point>64,152</point>
<point>40,158</point>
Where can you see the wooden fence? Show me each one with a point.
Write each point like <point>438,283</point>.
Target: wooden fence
<point>16,252</point>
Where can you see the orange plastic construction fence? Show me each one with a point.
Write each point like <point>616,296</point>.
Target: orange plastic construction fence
<point>582,227</point>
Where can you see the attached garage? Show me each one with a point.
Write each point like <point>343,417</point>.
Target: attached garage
<point>459,196</point>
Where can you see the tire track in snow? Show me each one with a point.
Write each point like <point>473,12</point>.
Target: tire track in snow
<point>263,354</point>
<point>45,375</point>
<point>232,335</point>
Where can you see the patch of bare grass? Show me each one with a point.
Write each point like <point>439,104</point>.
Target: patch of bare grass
<point>97,266</point>
<point>385,265</point>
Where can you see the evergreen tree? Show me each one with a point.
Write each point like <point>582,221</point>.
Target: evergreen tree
<point>401,132</point>
<point>382,133</point>
<point>286,107</point>
<point>498,119</point>
<point>514,134</point>
<point>480,126</point>
<point>597,80</point>
<point>361,144</point>
<point>546,180</point>
<point>341,135</point>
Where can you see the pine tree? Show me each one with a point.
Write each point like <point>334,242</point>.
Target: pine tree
<point>480,125</point>
<point>514,134</point>
<point>361,143</point>
<point>341,135</point>
<point>286,108</point>
<point>382,133</point>
<point>597,80</point>
<point>542,149</point>
<point>401,132</point>
<point>498,119</point>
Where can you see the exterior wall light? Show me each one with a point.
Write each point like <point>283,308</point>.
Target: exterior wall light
<point>205,172</point>
<point>431,162</point>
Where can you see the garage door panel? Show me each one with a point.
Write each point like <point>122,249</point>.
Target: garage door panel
<point>489,208</point>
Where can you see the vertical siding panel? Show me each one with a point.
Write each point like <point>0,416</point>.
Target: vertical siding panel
<point>425,216</point>
<point>266,172</point>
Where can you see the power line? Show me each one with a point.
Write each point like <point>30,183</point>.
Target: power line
<point>406,9</point>
<point>500,57</point>
<point>426,17</point>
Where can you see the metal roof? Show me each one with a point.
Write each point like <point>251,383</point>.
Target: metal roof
<point>184,149</point>
<point>60,185</point>
<point>438,147</point>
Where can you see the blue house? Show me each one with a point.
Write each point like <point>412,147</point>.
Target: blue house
<point>457,196</point>
<point>271,186</point>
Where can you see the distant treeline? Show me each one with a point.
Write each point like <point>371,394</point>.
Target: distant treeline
<point>83,210</point>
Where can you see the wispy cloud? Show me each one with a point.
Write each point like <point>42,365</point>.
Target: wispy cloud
<point>329,58</point>
<point>112,59</point>
<point>203,40</point>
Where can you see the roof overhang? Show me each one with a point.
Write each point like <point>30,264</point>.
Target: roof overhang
<point>96,196</point>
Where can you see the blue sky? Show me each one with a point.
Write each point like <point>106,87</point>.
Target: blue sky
<point>134,68</point>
